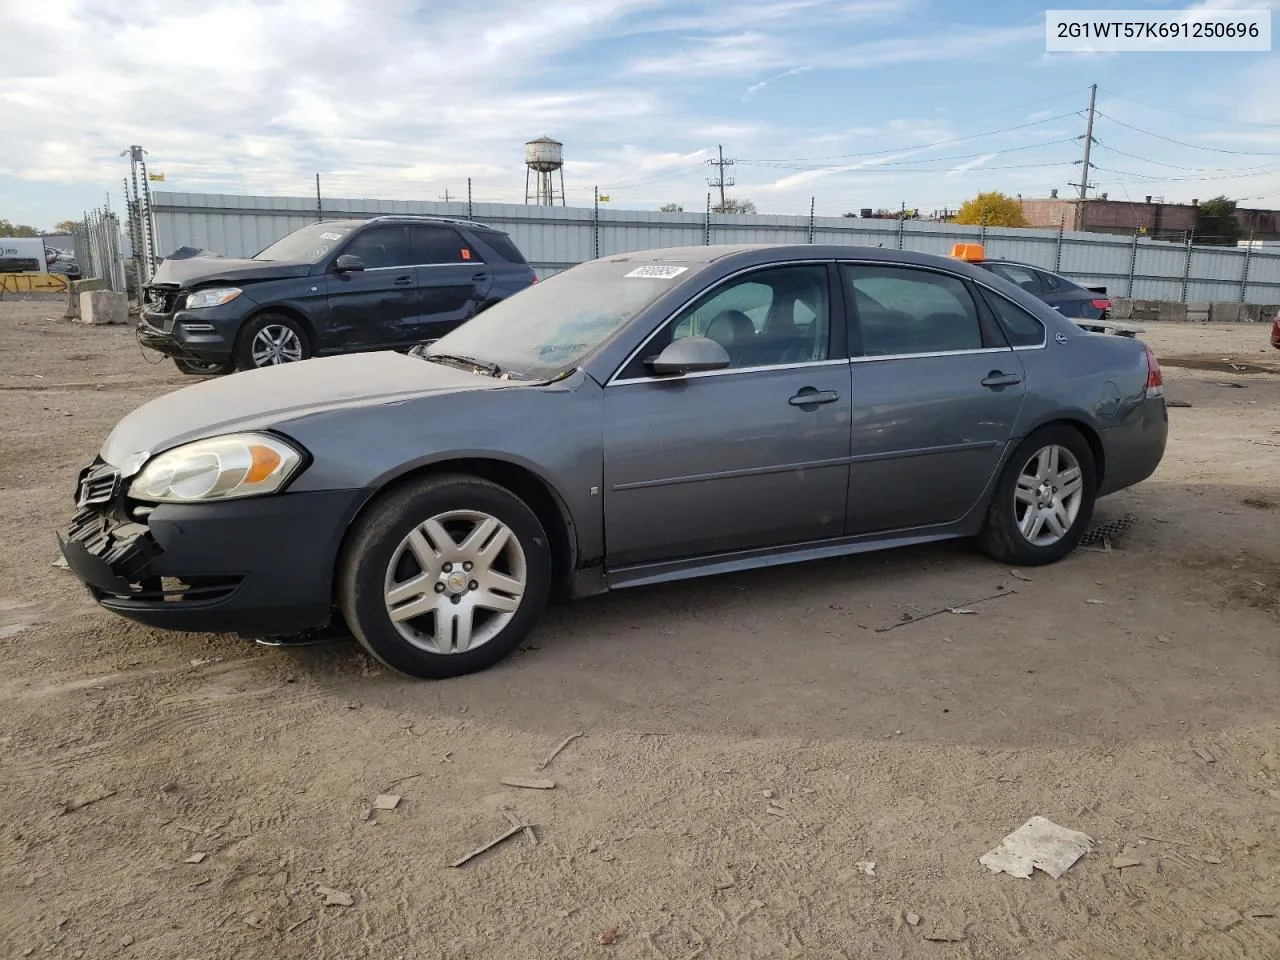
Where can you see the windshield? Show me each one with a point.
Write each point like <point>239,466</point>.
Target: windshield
<point>310,243</point>
<point>552,325</point>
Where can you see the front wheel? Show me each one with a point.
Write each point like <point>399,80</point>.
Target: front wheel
<point>1044,500</point>
<point>269,340</point>
<point>445,576</point>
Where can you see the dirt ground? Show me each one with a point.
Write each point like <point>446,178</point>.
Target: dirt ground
<point>749,740</point>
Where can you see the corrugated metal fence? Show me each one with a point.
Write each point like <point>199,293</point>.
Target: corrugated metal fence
<point>555,238</point>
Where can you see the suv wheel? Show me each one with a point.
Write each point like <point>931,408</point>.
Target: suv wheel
<point>203,368</point>
<point>271,339</point>
<point>445,576</point>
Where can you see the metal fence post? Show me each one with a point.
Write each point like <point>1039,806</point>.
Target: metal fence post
<point>595,224</point>
<point>1133,265</point>
<point>1244,276</point>
<point>811,203</point>
<point>982,237</point>
<point>902,229</point>
<point>706,227</point>
<point>1057,254</point>
<point>1186,267</point>
<point>469,214</point>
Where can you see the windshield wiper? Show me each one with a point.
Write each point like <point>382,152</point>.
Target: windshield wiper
<point>492,369</point>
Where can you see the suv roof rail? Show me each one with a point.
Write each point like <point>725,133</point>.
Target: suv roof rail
<point>433,219</point>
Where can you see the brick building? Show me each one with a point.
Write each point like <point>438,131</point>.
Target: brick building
<point>1154,219</point>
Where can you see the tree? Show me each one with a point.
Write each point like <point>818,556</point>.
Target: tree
<point>66,226</point>
<point>8,229</point>
<point>671,208</point>
<point>734,206</point>
<point>995,209</point>
<point>1216,222</point>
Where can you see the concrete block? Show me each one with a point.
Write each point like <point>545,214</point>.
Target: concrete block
<point>1269,313</point>
<point>1171,312</point>
<point>1145,310</point>
<point>1121,309</point>
<point>1225,312</point>
<point>77,287</point>
<point>99,307</point>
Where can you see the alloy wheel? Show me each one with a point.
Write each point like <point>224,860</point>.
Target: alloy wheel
<point>1048,495</point>
<point>275,344</point>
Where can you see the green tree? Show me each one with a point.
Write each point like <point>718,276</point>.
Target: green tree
<point>671,208</point>
<point>65,226</point>
<point>734,206</point>
<point>8,229</point>
<point>995,209</point>
<point>1216,222</point>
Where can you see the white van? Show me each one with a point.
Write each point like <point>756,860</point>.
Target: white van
<point>23,255</point>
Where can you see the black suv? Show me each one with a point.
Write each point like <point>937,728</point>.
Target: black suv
<point>337,286</point>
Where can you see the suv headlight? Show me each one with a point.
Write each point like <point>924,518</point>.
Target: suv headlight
<point>213,297</point>
<point>220,468</point>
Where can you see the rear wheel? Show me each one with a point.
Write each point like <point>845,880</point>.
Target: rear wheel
<point>203,368</point>
<point>445,576</point>
<point>1044,500</point>
<point>269,340</point>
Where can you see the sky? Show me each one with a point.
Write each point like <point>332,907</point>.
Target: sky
<point>848,103</point>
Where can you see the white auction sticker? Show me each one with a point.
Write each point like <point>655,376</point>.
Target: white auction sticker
<point>1157,31</point>
<point>656,272</point>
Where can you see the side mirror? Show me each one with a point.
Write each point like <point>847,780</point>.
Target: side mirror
<point>689,355</point>
<point>348,263</point>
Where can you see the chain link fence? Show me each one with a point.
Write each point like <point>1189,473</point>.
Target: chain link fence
<point>97,245</point>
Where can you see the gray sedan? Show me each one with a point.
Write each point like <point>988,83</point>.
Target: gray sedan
<point>641,418</point>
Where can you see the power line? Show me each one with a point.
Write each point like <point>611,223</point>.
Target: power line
<point>773,164</point>
<point>1193,146</point>
<point>1147,178</point>
<point>1192,116</point>
<point>1174,166</point>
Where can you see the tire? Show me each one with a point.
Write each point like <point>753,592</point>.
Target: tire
<point>271,339</point>
<point>1005,531</point>
<point>380,555</point>
<point>203,368</point>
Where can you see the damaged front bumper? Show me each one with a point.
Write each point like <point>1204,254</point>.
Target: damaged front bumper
<point>257,567</point>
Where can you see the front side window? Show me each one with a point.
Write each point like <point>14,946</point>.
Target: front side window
<point>775,316</point>
<point>904,310</point>
<point>382,247</point>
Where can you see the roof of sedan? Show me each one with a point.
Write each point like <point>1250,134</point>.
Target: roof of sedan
<point>709,253</point>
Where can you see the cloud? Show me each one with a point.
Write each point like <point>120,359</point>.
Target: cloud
<point>755,88</point>
<point>970,165</point>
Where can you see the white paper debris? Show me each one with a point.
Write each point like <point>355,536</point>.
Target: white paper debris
<point>1038,844</point>
<point>386,801</point>
<point>866,866</point>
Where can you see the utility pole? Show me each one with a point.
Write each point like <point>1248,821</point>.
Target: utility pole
<point>445,198</point>
<point>720,181</point>
<point>1088,142</point>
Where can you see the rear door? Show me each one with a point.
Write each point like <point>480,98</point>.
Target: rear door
<point>374,307</point>
<point>452,278</point>
<point>936,396</point>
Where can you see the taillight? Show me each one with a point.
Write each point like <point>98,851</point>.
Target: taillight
<point>1155,379</point>
<point>1100,304</point>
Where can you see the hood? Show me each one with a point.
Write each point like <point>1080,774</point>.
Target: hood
<point>259,399</point>
<point>192,270</point>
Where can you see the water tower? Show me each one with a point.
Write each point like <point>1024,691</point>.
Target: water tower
<point>544,157</point>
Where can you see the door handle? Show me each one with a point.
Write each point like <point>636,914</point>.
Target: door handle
<point>403,281</point>
<point>809,397</point>
<point>995,379</point>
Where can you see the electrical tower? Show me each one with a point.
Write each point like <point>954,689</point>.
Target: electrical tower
<point>1088,142</point>
<point>720,182</point>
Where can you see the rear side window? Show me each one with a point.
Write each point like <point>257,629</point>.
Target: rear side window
<point>1022,329</point>
<point>436,245</point>
<point>1049,280</point>
<point>1027,279</point>
<point>504,247</point>
<point>904,310</point>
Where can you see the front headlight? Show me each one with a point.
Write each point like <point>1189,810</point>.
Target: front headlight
<point>213,297</point>
<point>220,468</point>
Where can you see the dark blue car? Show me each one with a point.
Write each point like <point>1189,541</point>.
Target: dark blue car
<point>1067,297</point>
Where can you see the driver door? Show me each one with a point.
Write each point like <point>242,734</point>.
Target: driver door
<point>376,306</point>
<point>755,455</point>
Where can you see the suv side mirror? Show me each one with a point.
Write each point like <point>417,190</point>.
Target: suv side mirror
<point>348,263</point>
<point>689,355</point>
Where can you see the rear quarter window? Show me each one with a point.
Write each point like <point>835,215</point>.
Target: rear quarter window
<point>503,247</point>
<point>1021,328</point>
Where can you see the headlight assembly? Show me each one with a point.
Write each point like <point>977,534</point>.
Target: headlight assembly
<point>212,297</point>
<point>220,468</point>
